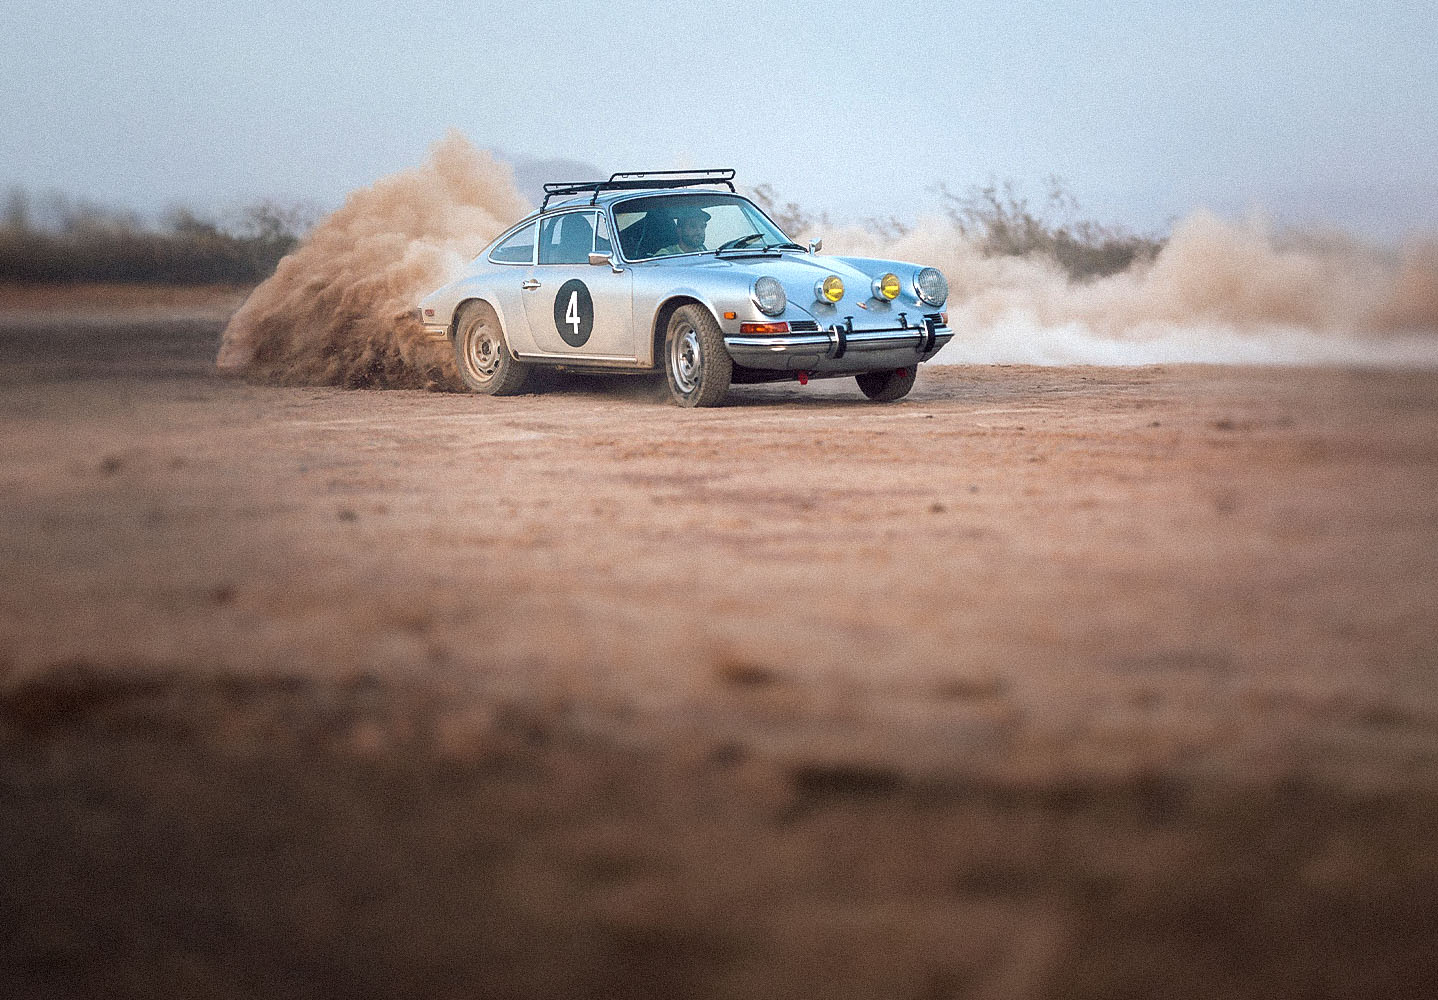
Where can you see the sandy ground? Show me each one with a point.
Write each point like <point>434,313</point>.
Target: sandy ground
<point>1043,682</point>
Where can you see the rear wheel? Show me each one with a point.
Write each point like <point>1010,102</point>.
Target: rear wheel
<point>697,366</point>
<point>484,360</point>
<point>888,385</point>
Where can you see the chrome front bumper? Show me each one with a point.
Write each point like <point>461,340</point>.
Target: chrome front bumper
<point>840,348</point>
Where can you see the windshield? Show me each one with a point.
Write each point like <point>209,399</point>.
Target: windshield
<point>669,225</point>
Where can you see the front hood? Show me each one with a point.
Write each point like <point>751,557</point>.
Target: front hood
<point>794,270</point>
<point>800,272</point>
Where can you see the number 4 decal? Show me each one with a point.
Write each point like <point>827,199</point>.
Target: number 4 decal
<point>574,313</point>
<point>571,315</point>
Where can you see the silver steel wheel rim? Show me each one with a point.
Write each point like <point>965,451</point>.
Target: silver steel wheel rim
<point>686,363</point>
<point>482,353</point>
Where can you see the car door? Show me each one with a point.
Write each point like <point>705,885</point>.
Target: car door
<point>575,308</point>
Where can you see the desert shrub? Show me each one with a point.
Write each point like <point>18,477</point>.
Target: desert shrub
<point>1001,222</point>
<point>801,224</point>
<point>790,217</point>
<point>60,240</point>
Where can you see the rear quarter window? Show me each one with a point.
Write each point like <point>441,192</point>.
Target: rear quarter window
<point>517,249</point>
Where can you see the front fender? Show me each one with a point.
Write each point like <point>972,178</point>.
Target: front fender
<point>664,308</point>
<point>875,267</point>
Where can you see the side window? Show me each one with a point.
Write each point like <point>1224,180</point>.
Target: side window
<point>601,236</point>
<point>566,239</point>
<point>518,249</point>
<point>631,226</point>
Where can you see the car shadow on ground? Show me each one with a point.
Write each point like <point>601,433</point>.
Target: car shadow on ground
<point>948,383</point>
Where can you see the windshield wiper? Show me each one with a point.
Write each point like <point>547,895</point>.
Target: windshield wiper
<point>738,241</point>
<point>741,248</point>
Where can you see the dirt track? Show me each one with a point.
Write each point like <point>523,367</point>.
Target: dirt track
<point>1043,682</point>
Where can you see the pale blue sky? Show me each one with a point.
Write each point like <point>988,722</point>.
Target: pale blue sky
<point>1317,112</point>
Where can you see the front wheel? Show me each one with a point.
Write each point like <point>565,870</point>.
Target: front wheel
<point>888,385</point>
<point>696,364</point>
<point>484,360</point>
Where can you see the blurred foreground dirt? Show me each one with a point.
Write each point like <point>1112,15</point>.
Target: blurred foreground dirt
<point>1041,683</point>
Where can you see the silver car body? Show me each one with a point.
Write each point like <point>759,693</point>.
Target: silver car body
<point>632,300</point>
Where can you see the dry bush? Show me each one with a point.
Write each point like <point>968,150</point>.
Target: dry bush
<point>1001,223</point>
<point>795,221</point>
<point>60,240</point>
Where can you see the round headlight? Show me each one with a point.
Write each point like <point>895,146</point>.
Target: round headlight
<point>769,296</point>
<point>931,286</point>
<point>830,289</point>
<point>886,287</point>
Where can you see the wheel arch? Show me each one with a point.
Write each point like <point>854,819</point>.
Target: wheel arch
<point>453,330</point>
<point>661,322</point>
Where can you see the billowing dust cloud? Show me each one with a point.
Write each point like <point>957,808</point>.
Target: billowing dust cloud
<point>338,311</point>
<point>1218,291</point>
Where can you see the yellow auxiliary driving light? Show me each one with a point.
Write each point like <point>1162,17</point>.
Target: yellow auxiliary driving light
<point>887,287</point>
<point>831,289</point>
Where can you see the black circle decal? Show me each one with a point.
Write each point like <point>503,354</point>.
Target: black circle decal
<point>574,313</point>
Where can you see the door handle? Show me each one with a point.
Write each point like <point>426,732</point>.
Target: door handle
<point>529,285</point>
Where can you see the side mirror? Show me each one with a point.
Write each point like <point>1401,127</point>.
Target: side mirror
<point>815,246</point>
<point>600,259</point>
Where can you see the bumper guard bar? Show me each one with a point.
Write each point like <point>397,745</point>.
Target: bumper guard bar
<point>840,347</point>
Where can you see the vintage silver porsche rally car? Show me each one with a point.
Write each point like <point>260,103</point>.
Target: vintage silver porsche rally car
<point>640,272</point>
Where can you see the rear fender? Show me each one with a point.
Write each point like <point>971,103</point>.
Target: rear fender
<point>498,312</point>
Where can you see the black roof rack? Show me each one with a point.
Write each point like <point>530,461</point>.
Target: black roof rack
<point>637,179</point>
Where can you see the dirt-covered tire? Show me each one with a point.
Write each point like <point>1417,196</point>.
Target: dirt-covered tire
<point>696,364</point>
<point>484,361</point>
<point>888,385</point>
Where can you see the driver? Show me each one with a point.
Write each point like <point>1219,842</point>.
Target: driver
<point>690,222</point>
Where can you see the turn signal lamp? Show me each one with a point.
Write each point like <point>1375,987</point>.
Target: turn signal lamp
<point>887,287</point>
<point>831,289</point>
<point>763,327</point>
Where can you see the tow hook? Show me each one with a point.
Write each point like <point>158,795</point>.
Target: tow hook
<point>803,378</point>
